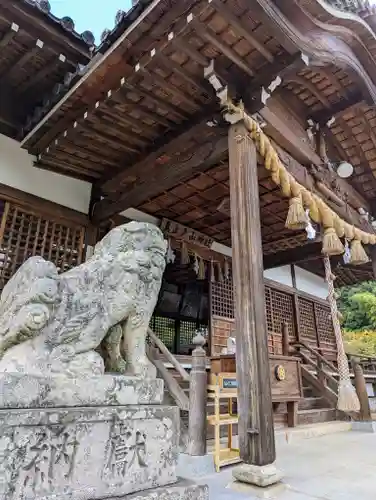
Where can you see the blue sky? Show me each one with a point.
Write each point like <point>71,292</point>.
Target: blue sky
<point>94,15</point>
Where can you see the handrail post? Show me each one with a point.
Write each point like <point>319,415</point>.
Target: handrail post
<point>321,373</point>
<point>197,400</point>
<point>361,390</point>
<point>285,339</point>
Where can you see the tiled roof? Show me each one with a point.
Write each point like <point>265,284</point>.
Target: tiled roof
<point>65,22</point>
<point>355,6</point>
<point>122,21</point>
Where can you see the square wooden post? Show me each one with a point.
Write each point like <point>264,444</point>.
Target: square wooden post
<point>256,428</point>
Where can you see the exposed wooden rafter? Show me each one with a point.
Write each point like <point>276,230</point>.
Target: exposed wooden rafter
<point>9,35</point>
<point>227,14</point>
<point>33,25</point>
<point>38,76</point>
<point>208,34</point>
<point>23,59</point>
<point>352,100</point>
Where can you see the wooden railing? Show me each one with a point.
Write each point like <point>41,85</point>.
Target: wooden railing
<point>156,348</point>
<point>193,437</point>
<point>318,371</point>
<point>368,363</point>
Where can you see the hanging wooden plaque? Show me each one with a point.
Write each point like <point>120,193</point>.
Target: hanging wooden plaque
<point>180,232</point>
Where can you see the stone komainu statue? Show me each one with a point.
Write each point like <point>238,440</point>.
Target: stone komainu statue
<point>92,317</point>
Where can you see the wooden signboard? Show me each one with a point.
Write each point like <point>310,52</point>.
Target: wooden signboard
<point>226,382</point>
<point>180,232</point>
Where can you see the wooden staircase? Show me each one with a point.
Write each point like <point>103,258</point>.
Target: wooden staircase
<point>176,379</point>
<point>320,387</point>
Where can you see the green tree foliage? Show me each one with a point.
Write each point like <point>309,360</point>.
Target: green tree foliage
<point>362,343</point>
<point>358,307</point>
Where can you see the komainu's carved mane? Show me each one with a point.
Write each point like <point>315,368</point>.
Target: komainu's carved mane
<point>56,323</point>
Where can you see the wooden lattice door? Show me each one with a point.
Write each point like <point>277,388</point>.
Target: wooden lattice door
<point>25,233</point>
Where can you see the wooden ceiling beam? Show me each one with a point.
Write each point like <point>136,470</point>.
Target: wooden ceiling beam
<point>168,64</point>
<point>107,138</point>
<point>174,110</point>
<point>109,111</point>
<point>40,75</point>
<point>210,36</point>
<point>98,162</point>
<point>24,59</point>
<point>122,99</point>
<point>184,46</point>
<point>62,167</point>
<point>231,18</point>
<point>293,256</point>
<point>335,110</point>
<point>91,149</point>
<point>129,138</point>
<point>161,177</point>
<point>170,147</point>
<point>166,86</point>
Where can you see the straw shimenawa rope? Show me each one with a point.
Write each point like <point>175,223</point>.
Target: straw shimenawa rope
<point>300,197</point>
<point>348,400</point>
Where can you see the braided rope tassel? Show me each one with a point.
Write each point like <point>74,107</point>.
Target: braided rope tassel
<point>347,398</point>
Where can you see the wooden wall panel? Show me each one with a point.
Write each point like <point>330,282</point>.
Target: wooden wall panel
<point>315,324</point>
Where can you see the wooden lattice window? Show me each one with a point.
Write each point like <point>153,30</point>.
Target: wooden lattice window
<point>307,321</point>
<point>186,332</point>
<point>222,299</point>
<point>24,234</point>
<point>279,309</point>
<point>165,328</point>
<point>325,325</point>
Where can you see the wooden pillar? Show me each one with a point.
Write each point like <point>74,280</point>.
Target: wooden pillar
<point>361,390</point>
<point>197,400</point>
<point>256,432</point>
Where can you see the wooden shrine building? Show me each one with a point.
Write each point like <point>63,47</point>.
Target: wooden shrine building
<point>243,129</point>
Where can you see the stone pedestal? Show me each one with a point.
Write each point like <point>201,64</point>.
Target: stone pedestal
<point>262,476</point>
<point>364,426</point>
<point>182,490</point>
<point>91,453</point>
<point>21,390</point>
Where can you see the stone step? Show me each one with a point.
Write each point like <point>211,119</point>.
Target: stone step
<point>311,403</point>
<point>316,415</point>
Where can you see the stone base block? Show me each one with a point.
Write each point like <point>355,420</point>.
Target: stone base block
<point>19,390</point>
<point>82,453</point>
<point>263,476</point>
<point>182,490</point>
<point>252,491</point>
<point>363,426</point>
<point>193,467</point>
